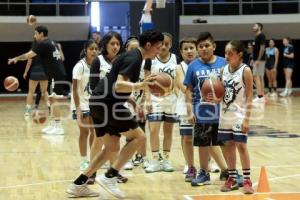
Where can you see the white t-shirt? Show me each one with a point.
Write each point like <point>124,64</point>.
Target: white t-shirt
<point>81,72</point>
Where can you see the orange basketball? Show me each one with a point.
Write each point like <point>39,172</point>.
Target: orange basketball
<point>11,83</point>
<point>31,20</point>
<point>214,87</point>
<point>163,84</point>
<point>39,117</point>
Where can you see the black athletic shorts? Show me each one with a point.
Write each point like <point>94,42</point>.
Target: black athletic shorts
<point>206,135</point>
<point>111,118</point>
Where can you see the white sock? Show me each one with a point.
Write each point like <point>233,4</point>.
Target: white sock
<point>84,158</point>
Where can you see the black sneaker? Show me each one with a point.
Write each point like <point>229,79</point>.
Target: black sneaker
<point>224,175</point>
<point>138,160</point>
<point>121,179</point>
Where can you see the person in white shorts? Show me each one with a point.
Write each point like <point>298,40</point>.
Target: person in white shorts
<point>188,50</point>
<point>162,110</point>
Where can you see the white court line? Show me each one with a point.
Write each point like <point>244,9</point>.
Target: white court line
<point>34,184</point>
<point>277,166</point>
<point>128,175</point>
<point>189,197</point>
<point>237,194</point>
<point>279,177</point>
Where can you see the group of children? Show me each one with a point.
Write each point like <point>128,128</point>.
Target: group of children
<point>205,123</point>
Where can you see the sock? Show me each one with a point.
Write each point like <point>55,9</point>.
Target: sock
<point>155,155</point>
<point>260,96</point>
<point>111,172</point>
<point>28,106</point>
<point>82,179</point>
<point>246,174</point>
<point>166,154</point>
<point>84,158</point>
<point>232,173</point>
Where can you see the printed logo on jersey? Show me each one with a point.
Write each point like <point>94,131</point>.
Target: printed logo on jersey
<point>56,54</point>
<point>231,92</point>
<point>168,70</point>
<point>87,90</point>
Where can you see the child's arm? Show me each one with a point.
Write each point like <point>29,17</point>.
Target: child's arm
<point>28,65</point>
<point>189,106</point>
<point>248,81</point>
<point>179,79</point>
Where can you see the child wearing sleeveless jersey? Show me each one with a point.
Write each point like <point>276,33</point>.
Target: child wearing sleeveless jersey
<point>235,115</point>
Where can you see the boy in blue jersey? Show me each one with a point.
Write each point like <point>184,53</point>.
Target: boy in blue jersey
<point>205,115</point>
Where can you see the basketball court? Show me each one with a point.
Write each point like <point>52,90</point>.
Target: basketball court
<point>36,166</point>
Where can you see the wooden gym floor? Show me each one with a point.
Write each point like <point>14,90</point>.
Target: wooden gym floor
<point>39,167</point>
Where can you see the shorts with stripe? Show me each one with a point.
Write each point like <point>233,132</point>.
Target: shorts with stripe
<point>232,132</point>
<point>185,128</point>
<point>85,114</point>
<point>163,109</point>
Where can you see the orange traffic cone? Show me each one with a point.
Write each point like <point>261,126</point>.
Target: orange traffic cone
<point>263,182</point>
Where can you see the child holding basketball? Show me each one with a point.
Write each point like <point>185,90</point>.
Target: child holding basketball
<point>162,110</point>
<point>205,115</point>
<point>235,114</point>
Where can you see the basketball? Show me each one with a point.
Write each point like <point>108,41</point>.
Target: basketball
<point>31,20</point>
<point>162,86</point>
<point>11,83</point>
<point>39,117</point>
<point>214,87</point>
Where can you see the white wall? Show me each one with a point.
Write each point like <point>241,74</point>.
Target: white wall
<point>15,29</point>
<point>240,26</point>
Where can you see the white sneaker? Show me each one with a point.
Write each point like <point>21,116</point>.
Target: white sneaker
<point>154,166</point>
<point>57,129</point>
<point>110,185</point>
<point>81,191</point>
<point>167,166</point>
<point>128,165</point>
<point>84,165</point>
<point>284,93</point>
<point>213,167</point>
<point>185,169</point>
<point>49,126</point>
<point>259,100</point>
<point>145,163</point>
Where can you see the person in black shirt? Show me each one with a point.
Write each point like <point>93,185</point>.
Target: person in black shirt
<point>111,118</point>
<point>37,76</point>
<point>51,59</point>
<point>288,66</point>
<point>259,61</point>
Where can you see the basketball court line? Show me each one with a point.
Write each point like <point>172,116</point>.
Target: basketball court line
<point>255,196</point>
<point>127,175</point>
<point>252,197</point>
